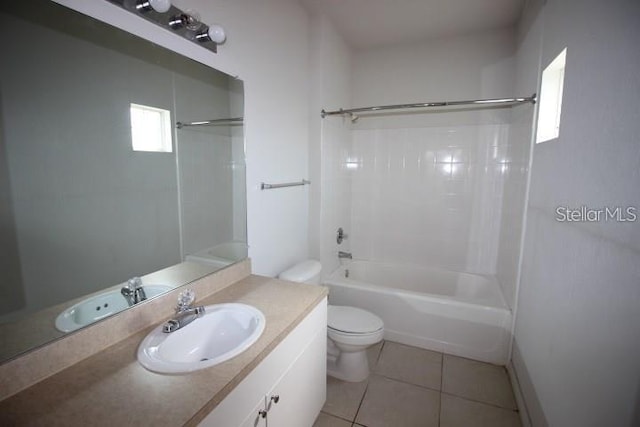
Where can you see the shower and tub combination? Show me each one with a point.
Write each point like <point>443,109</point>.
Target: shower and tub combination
<point>456,313</point>
<point>452,307</point>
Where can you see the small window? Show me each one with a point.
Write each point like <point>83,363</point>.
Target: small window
<point>150,129</point>
<point>551,99</point>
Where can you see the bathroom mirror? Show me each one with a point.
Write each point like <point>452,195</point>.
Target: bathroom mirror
<point>98,183</point>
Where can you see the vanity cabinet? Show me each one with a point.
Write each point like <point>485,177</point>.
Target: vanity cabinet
<point>288,388</point>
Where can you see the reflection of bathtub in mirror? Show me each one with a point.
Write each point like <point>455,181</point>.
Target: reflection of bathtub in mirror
<point>220,255</point>
<point>41,325</point>
<point>99,306</point>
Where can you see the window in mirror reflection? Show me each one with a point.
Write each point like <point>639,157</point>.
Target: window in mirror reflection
<point>150,129</point>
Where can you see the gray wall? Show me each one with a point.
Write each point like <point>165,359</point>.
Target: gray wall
<point>89,211</point>
<point>11,287</point>
<point>577,340</point>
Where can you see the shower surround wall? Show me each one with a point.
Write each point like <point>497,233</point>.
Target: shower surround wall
<point>429,187</point>
<point>330,139</point>
<point>429,195</point>
<point>205,163</point>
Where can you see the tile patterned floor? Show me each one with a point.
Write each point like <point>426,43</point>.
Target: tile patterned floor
<point>410,387</point>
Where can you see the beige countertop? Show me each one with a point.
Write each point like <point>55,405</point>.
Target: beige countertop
<point>112,388</point>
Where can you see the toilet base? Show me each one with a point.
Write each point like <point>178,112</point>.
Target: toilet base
<point>350,366</point>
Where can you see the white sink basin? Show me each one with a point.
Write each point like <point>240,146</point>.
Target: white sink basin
<point>223,332</point>
<point>100,306</point>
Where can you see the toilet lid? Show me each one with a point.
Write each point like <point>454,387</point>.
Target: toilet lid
<point>352,320</point>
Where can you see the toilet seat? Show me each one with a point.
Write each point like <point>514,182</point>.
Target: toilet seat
<point>345,320</point>
<point>353,342</point>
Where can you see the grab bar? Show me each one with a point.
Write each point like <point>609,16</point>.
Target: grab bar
<point>264,186</point>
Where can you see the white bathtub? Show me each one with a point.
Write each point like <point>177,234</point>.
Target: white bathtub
<point>220,255</point>
<point>455,313</point>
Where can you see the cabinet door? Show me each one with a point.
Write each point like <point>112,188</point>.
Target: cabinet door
<point>296,399</point>
<point>307,341</point>
<point>256,418</point>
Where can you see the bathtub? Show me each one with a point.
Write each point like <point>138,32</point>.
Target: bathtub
<point>456,313</point>
<point>220,255</point>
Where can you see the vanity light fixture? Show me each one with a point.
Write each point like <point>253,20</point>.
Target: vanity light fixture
<point>160,6</point>
<point>181,21</point>
<point>189,20</point>
<point>186,24</point>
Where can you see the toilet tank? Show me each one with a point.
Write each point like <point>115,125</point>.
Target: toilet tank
<point>303,272</point>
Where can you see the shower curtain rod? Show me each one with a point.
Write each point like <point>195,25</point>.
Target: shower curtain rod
<point>234,120</point>
<point>482,102</point>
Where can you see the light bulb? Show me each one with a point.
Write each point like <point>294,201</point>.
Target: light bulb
<point>160,6</point>
<point>217,33</point>
<point>193,20</point>
<point>214,33</point>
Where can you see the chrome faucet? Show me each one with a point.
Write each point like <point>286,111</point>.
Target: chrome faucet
<point>133,292</point>
<point>344,255</point>
<point>185,312</point>
<point>340,236</point>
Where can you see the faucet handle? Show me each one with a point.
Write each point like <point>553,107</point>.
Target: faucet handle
<point>134,283</point>
<point>340,236</point>
<point>186,299</point>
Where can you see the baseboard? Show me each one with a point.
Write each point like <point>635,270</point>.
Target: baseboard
<point>517,392</point>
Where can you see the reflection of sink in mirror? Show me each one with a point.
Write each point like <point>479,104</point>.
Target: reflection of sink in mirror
<point>220,255</point>
<point>100,306</point>
<point>224,331</point>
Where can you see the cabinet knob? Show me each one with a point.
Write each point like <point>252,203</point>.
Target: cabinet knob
<point>275,398</point>
<point>262,413</point>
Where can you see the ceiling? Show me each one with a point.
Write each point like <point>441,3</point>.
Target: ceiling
<point>365,24</point>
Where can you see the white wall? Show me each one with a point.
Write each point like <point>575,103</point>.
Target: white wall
<point>267,47</point>
<point>577,341</point>
<point>330,204</point>
<point>428,188</point>
<point>472,66</point>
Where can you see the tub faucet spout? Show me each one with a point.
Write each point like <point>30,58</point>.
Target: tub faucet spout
<point>134,292</point>
<point>346,255</point>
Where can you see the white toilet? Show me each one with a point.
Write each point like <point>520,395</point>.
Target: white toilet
<point>350,330</point>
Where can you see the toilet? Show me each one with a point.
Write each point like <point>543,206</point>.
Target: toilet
<point>350,330</point>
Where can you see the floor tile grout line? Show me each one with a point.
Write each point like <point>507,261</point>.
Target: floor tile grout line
<point>442,372</point>
<point>336,416</point>
<point>376,372</point>
<point>441,385</point>
<point>407,382</point>
<point>355,417</point>
<point>440,391</point>
<point>480,401</point>
<point>380,353</point>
